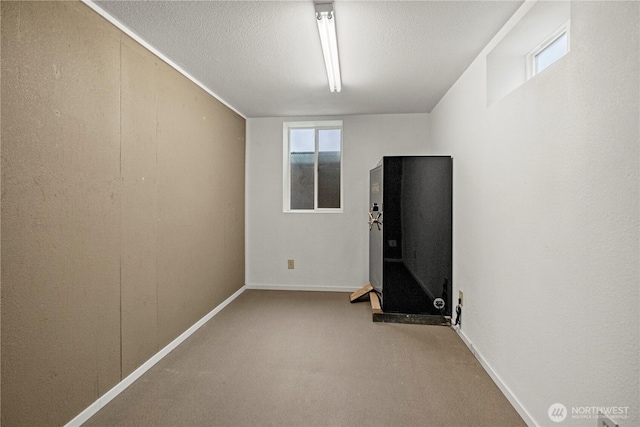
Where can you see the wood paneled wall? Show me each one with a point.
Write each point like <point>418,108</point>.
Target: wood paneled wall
<point>122,208</point>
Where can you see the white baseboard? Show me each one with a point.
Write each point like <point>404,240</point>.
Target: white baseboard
<point>122,385</point>
<point>272,287</point>
<point>497,380</point>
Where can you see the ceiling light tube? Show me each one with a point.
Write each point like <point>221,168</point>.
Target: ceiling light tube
<point>325,17</point>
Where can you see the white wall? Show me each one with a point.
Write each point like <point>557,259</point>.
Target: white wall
<point>546,213</point>
<point>330,250</point>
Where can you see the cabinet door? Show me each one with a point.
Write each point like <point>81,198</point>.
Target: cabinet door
<point>417,234</point>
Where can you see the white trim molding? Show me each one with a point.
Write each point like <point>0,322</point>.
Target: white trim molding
<point>526,416</point>
<point>313,288</point>
<point>92,409</point>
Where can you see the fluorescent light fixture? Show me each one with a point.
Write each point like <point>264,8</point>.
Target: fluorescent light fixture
<point>326,19</point>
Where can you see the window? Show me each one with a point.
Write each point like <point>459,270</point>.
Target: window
<point>554,48</point>
<point>312,166</point>
<point>512,60</point>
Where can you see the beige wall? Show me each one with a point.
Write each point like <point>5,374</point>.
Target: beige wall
<point>122,208</point>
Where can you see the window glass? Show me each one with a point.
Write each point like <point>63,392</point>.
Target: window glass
<point>550,54</point>
<point>302,160</point>
<point>302,140</point>
<point>329,142</point>
<point>313,166</point>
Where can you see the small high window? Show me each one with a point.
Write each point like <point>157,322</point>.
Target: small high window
<point>535,40</point>
<point>313,166</point>
<point>554,48</point>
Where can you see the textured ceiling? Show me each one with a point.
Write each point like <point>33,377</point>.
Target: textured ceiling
<point>264,58</point>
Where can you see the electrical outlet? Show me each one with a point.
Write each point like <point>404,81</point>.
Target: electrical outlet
<point>460,298</point>
<point>290,264</point>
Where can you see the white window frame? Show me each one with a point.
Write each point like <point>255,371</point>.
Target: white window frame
<point>531,57</point>
<point>286,176</point>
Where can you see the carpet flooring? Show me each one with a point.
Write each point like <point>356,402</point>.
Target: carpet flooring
<point>282,358</point>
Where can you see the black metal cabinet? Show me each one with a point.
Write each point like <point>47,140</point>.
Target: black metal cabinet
<point>410,241</point>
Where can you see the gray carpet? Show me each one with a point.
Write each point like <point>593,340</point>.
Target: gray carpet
<point>279,358</point>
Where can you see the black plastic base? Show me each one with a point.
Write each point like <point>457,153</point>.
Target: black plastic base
<point>416,319</point>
